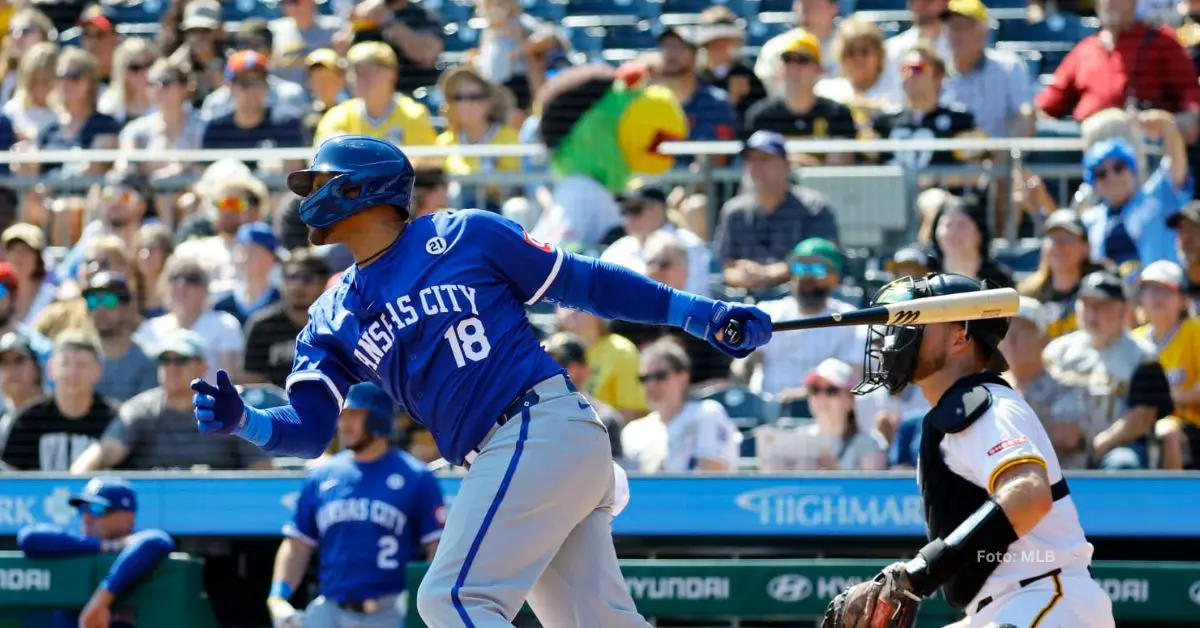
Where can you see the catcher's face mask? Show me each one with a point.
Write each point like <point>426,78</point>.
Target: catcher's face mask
<point>891,352</point>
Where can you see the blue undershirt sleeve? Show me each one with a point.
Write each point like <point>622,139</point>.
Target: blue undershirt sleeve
<point>43,540</point>
<point>142,553</point>
<point>304,428</point>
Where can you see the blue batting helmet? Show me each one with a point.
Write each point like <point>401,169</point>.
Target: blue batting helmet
<point>368,172</point>
<point>381,410</point>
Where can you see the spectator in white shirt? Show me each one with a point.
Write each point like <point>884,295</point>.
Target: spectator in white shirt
<point>188,308</point>
<point>644,212</point>
<point>779,367</point>
<point>679,434</point>
<point>30,108</point>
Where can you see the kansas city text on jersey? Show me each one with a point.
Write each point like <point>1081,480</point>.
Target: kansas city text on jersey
<point>380,336</point>
<point>376,511</point>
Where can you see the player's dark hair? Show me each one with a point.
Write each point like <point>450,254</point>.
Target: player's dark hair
<point>670,351</point>
<point>308,260</point>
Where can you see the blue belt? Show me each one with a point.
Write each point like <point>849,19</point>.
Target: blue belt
<point>527,399</point>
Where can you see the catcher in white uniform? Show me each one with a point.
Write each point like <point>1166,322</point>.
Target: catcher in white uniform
<point>1006,546</point>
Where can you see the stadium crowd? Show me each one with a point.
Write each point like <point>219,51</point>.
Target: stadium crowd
<point>115,295</point>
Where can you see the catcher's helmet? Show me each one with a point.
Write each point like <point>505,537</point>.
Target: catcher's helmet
<point>891,351</point>
<point>380,409</point>
<point>368,172</point>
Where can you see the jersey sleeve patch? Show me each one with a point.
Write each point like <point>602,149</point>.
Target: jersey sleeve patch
<point>1007,443</point>
<point>537,243</point>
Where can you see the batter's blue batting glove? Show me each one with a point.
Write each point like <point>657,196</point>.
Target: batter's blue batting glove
<point>219,409</point>
<point>706,318</point>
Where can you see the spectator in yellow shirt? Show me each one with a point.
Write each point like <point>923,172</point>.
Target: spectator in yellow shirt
<point>1176,336</point>
<point>376,109</point>
<point>612,360</point>
<point>476,110</point>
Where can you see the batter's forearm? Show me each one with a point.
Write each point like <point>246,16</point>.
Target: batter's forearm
<point>302,429</point>
<point>614,292</point>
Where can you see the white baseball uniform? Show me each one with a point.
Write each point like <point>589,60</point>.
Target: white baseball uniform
<point>1009,434</point>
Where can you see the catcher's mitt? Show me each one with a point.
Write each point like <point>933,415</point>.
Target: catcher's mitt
<point>882,602</point>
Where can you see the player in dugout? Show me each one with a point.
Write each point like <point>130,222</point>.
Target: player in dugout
<point>107,507</point>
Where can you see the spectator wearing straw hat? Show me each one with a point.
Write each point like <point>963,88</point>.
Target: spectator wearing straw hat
<point>1176,336</point>
<point>720,35</point>
<point>1065,410</point>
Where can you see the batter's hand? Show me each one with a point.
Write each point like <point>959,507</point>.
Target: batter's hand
<point>753,324</point>
<point>283,614</point>
<point>219,409</point>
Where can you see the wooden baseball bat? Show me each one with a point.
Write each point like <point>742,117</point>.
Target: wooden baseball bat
<point>949,308</point>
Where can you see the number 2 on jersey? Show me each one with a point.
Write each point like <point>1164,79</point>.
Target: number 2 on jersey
<point>388,546</point>
<point>468,341</point>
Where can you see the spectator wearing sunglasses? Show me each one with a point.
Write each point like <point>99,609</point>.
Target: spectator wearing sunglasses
<point>922,73</point>
<point>253,121</point>
<point>1129,221</point>
<point>171,124</point>
<point>835,440</point>
<point>231,204</point>
<point>156,429</point>
<point>780,367</point>
<point>51,434</point>
<point>256,253</point>
<point>797,112</point>
<point>203,46</point>
<point>27,28</point>
<point>644,212</point>
<point>107,509</point>
<point>271,332</point>
<point>476,111</point>
<point>128,96</point>
<point>21,380</point>
<point>679,434</point>
<point>79,125</point>
<point>188,308</point>
<point>128,368</point>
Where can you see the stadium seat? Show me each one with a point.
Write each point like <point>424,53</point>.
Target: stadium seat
<point>587,40</point>
<point>142,12</point>
<point>1051,60</point>
<point>758,33</point>
<point>796,409</point>
<point>549,10</point>
<point>640,8</point>
<point>459,38</point>
<point>1061,27</point>
<point>746,408</point>
<point>640,36</point>
<point>696,6</point>
<point>241,10</point>
<point>880,5</point>
<point>754,7</point>
<point>453,12</point>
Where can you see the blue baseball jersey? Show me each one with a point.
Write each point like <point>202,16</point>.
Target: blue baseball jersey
<point>367,520</point>
<point>439,322</point>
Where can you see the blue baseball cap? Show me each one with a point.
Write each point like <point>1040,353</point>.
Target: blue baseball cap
<point>1100,152</point>
<point>260,233</point>
<point>767,142</point>
<point>110,492</point>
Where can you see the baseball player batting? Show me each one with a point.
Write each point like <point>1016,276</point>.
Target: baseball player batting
<point>433,311</point>
<point>1005,544</point>
<point>368,510</point>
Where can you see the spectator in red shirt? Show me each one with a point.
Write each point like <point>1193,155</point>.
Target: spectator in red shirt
<point>1127,65</point>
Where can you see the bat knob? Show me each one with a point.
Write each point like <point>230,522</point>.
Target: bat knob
<point>732,333</point>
